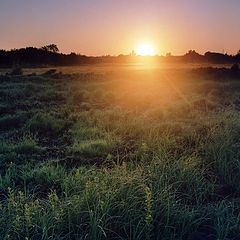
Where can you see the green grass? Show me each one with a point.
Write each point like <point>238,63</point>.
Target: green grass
<point>44,123</point>
<point>23,146</point>
<point>130,154</point>
<point>93,148</point>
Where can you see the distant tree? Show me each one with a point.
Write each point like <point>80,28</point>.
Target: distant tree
<point>133,53</point>
<point>192,55</point>
<point>237,57</point>
<point>215,57</point>
<point>51,48</point>
<point>168,54</point>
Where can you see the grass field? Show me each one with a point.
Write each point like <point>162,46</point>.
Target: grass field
<point>120,153</point>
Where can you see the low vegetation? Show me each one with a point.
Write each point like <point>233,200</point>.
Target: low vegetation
<point>132,154</point>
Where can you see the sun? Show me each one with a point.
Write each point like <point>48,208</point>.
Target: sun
<point>145,49</point>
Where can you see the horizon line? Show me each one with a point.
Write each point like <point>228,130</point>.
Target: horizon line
<point>132,53</point>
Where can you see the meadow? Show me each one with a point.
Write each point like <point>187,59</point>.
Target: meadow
<point>120,153</point>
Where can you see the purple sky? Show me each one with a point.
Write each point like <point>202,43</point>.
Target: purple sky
<point>99,27</point>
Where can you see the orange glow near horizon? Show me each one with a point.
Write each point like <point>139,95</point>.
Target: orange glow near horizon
<point>111,27</point>
<point>145,49</point>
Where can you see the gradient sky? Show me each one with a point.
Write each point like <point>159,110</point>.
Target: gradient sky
<point>99,27</point>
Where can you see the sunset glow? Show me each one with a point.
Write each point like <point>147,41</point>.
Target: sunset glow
<point>116,27</point>
<point>120,119</point>
<point>145,49</point>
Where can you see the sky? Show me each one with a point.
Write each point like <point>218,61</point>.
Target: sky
<point>102,27</point>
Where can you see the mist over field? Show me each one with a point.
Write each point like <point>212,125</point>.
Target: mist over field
<point>119,153</point>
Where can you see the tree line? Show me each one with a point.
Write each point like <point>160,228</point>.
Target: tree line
<point>50,55</point>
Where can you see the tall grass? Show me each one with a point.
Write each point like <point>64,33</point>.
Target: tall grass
<point>92,157</point>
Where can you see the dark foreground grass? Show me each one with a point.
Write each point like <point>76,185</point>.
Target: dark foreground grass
<point>126,155</point>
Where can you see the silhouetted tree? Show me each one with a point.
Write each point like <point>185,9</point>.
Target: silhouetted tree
<point>48,55</point>
<point>218,57</point>
<point>193,56</point>
<point>51,48</point>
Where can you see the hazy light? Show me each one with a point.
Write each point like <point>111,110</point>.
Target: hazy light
<point>145,49</point>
